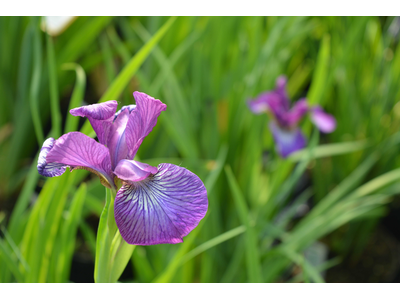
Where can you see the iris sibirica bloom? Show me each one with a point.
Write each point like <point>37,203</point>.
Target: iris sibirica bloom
<point>284,124</point>
<point>154,205</point>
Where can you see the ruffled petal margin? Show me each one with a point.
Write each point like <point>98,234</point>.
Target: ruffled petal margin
<point>79,151</point>
<point>141,121</point>
<point>100,115</point>
<point>49,169</point>
<point>163,208</point>
<point>287,141</point>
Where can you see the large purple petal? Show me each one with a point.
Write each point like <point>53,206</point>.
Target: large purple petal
<point>79,151</point>
<point>49,169</point>
<point>131,170</point>
<point>297,112</point>
<point>287,141</point>
<point>325,122</point>
<point>141,121</point>
<point>100,115</point>
<point>163,208</point>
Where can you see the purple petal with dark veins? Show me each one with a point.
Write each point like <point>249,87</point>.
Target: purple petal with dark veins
<point>49,169</point>
<point>141,121</point>
<point>100,115</point>
<point>131,170</point>
<point>287,141</point>
<point>79,151</point>
<point>117,138</point>
<point>297,112</point>
<point>325,122</point>
<point>163,208</point>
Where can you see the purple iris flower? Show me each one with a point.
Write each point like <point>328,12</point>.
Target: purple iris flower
<point>155,204</point>
<point>284,123</point>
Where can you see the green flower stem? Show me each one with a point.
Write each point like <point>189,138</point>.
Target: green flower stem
<point>112,252</point>
<point>104,240</point>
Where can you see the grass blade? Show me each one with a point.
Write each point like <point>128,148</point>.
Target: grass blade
<point>77,95</point>
<point>252,256</point>
<point>213,242</point>
<point>54,98</point>
<point>117,86</point>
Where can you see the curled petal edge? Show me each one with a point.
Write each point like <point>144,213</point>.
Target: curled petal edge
<point>49,169</point>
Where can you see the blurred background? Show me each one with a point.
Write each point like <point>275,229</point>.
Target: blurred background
<point>328,213</point>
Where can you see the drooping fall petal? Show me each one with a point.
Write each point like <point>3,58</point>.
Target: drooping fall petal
<point>287,141</point>
<point>163,208</point>
<point>79,151</point>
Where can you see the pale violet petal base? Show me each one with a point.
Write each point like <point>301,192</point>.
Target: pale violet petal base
<point>287,141</point>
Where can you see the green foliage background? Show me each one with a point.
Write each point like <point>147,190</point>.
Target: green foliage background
<point>204,69</point>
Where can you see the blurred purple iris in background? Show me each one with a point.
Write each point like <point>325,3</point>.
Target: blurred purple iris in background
<point>155,204</point>
<point>284,123</point>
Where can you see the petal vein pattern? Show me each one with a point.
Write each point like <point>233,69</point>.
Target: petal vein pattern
<point>79,151</point>
<point>162,208</point>
<point>141,121</point>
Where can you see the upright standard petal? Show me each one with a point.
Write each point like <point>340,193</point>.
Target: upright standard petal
<point>100,115</point>
<point>163,208</point>
<point>287,141</point>
<point>45,168</point>
<point>79,151</point>
<point>116,142</point>
<point>280,88</point>
<point>325,122</point>
<point>131,170</point>
<point>141,121</point>
<point>297,112</point>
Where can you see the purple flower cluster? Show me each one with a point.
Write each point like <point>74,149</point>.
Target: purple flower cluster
<point>155,204</point>
<point>285,120</point>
